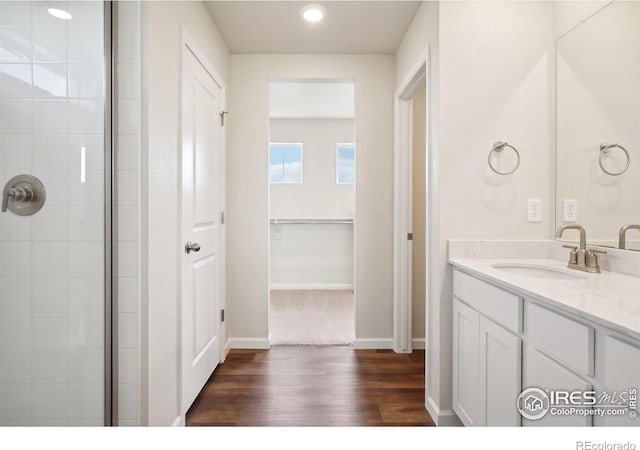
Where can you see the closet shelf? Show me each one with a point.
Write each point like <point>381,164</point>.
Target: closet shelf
<point>311,220</point>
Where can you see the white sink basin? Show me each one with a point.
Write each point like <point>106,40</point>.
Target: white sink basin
<point>538,271</point>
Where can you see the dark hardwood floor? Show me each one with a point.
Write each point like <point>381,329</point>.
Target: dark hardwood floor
<point>314,386</point>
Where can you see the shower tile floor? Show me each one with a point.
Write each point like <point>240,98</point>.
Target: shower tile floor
<point>312,317</point>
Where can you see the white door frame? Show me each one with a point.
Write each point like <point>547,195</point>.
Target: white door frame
<point>187,44</point>
<point>403,190</point>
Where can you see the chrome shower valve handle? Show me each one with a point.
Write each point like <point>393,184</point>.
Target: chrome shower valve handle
<point>23,195</point>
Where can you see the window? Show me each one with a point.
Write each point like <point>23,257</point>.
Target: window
<point>345,164</point>
<point>285,163</point>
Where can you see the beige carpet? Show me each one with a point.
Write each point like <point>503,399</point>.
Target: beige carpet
<point>312,317</point>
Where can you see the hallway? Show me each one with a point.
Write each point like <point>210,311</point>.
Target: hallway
<point>314,386</point>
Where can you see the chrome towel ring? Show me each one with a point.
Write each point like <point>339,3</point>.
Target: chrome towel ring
<point>498,147</point>
<point>604,148</point>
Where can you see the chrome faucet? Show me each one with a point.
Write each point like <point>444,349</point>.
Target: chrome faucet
<point>622,237</point>
<point>581,258</point>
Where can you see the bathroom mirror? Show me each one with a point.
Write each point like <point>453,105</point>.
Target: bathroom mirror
<point>598,125</point>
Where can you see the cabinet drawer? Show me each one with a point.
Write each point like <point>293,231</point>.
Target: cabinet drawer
<point>498,305</point>
<point>569,342</point>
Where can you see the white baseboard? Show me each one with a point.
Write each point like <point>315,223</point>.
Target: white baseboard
<point>248,343</point>
<point>374,343</point>
<point>361,343</point>
<point>442,418</point>
<point>227,347</point>
<point>178,422</point>
<point>315,287</point>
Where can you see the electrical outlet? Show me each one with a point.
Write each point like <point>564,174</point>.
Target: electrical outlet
<point>534,211</point>
<point>570,211</point>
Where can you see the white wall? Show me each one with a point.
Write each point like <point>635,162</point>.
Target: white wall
<point>489,89</point>
<point>319,195</point>
<point>313,256</point>
<point>569,14</point>
<point>290,99</point>
<point>161,149</point>
<point>247,188</point>
<point>422,33</point>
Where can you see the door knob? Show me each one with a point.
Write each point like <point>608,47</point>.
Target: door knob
<point>192,247</point>
<point>23,195</point>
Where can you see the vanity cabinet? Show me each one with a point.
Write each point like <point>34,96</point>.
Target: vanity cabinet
<point>487,357</point>
<point>504,343</point>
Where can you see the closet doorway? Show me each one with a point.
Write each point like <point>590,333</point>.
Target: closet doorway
<point>312,175</point>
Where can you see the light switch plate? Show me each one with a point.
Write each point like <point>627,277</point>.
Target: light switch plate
<point>570,211</point>
<point>534,210</point>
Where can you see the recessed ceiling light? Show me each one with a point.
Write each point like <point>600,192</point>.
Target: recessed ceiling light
<point>313,13</point>
<point>59,13</point>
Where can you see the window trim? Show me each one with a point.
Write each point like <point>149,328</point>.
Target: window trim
<point>287,144</point>
<point>352,144</point>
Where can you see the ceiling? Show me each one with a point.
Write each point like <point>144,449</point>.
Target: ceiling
<point>350,27</point>
<point>311,99</point>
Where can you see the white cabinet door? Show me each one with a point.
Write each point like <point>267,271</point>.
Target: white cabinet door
<point>486,370</point>
<point>500,374</point>
<point>467,396</point>
<point>542,372</point>
<point>621,374</point>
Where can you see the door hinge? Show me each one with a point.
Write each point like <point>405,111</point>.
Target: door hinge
<point>222,114</point>
<point>410,236</point>
<point>222,218</point>
<point>222,315</point>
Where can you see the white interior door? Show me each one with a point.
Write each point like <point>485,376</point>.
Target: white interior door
<point>201,227</point>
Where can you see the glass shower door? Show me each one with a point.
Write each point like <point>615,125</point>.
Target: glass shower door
<point>52,234</point>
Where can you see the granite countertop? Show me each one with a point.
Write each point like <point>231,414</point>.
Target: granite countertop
<point>608,298</point>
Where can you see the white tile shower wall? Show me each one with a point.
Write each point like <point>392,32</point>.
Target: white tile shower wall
<point>127,157</point>
<point>51,276</point>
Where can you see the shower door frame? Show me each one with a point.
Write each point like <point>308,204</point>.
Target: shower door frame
<point>110,220</point>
